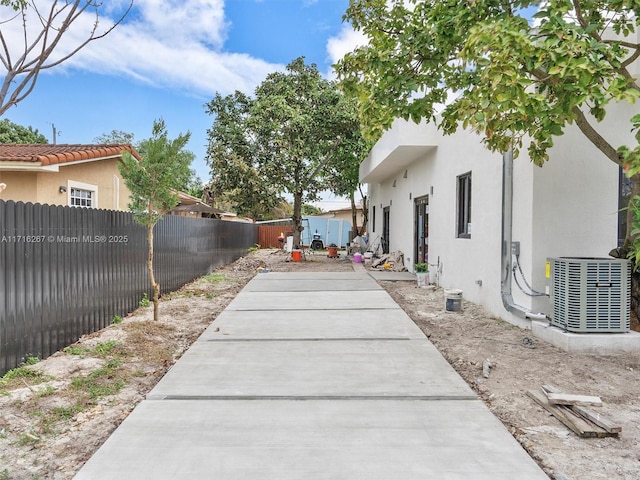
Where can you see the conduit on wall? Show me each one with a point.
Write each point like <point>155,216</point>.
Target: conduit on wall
<point>507,226</point>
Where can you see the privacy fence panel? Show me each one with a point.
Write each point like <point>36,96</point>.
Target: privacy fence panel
<point>68,271</point>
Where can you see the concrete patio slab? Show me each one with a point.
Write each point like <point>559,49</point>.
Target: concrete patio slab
<point>385,275</point>
<point>334,300</point>
<point>311,440</point>
<point>327,369</point>
<point>311,324</point>
<point>279,276</point>
<point>313,285</point>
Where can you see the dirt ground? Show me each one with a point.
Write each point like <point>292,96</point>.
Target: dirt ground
<point>56,413</point>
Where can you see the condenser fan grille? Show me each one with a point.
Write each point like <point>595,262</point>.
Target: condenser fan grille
<point>591,294</point>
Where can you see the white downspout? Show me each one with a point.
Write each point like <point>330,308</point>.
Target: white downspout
<point>507,226</point>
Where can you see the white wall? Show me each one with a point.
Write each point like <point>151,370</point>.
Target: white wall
<point>567,208</point>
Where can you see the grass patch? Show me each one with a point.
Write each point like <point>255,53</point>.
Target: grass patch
<point>45,392</point>
<point>29,439</point>
<point>117,319</point>
<point>23,374</point>
<point>76,350</point>
<point>103,349</point>
<point>107,380</point>
<point>214,278</point>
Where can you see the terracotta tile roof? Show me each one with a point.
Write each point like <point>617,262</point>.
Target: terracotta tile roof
<point>46,154</point>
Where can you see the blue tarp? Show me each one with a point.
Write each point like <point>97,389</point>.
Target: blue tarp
<point>331,230</point>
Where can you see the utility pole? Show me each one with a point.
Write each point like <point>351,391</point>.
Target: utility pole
<point>55,133</point>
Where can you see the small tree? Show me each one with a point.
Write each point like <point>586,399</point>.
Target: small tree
<point>153,182</point>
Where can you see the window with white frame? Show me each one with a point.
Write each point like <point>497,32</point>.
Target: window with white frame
<point>83,195</point>
<point>463,228</point>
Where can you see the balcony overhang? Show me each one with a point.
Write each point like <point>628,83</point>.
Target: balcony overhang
<point>377,168</point>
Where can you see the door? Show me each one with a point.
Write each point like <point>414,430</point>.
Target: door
<point>421,251</point>
<point>385,230</point>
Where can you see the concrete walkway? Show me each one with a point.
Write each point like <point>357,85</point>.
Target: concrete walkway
<point>311,376</point>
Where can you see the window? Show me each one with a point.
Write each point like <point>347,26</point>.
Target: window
<point>464,206</point>
<point>373,220</point>
<point>83,195</point>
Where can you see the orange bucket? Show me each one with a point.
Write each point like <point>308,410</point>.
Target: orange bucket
<point>296,255</point>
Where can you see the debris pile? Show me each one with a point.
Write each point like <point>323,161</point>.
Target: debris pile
<point>572,411</point>
<point>393,261</point>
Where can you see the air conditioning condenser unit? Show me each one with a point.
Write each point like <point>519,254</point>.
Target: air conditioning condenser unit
<point>590,295</point>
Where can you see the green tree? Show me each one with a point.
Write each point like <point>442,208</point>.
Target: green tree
<point>190,184</point>
<point>232,156</point>
<point>45,41</point>
<point>281,141</point>
<point>13,133</point>
<point>343,173</point>
<point>116,137</point>
<point>153,182</point>
<point>512,80</point>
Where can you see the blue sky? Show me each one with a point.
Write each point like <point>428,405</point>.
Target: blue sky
<point>170,57</point>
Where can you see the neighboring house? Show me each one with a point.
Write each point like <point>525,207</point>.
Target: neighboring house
<point>439,199</point>
<point>74,175</point>
<point>190,206</point>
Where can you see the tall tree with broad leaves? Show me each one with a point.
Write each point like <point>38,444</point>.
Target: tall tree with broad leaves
<point>41,43</point>
<point>281,141</point>
<point>343,172</point>
<point>499,74</point>
<point>231,154</point>
<point>153,182</point>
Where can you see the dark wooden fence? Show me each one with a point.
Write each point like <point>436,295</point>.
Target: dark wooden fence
<point>68,271</point>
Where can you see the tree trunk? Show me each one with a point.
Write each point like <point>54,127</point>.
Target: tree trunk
<point>297,220</point>
<point>152,278</point>
<point>354,214</point>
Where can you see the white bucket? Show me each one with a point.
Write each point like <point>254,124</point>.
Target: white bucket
<point>367,257</point>
<point>422,278</point>
<point>452,300</point>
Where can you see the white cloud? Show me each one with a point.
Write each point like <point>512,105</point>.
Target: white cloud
<point>177,44</point>
<point>346,41</point>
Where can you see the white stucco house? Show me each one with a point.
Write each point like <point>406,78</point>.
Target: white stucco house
<point>450,199</point>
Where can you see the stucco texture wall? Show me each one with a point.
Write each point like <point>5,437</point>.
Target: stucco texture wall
<point>44,187</point>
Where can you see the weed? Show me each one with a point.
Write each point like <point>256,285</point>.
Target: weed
<point>75,350</point>
<point>45,392</point>
<point>145,301</point>
<point>208,296</point>
<point>66,413</point>
<point>117,319</point>
<point>213,277</point>
<point>30,360</point>
<point>29,438</point>
<point>23,373</point>
<point>104,348</point>
<point>4,474</point>
<point>102,382</point>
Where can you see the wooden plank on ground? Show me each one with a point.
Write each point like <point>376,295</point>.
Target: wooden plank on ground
<point>571,399</point>
<point>589,414</point>
<point>570,419</point>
